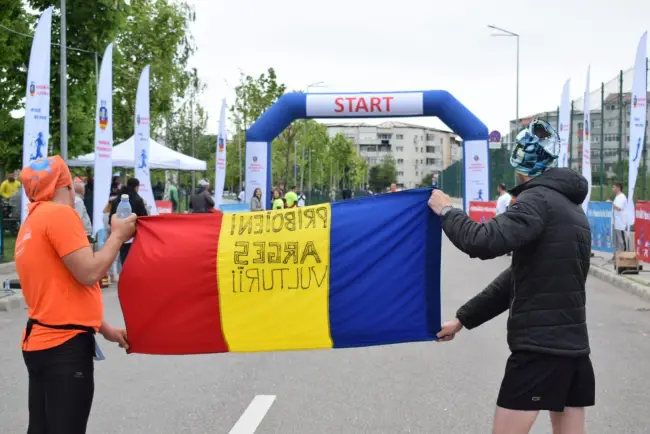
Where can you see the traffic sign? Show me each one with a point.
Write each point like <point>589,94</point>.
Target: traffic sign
<point>495,136</point>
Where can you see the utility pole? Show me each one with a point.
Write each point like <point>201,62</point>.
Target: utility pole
<point>192,138</point>
<point>64,87</point>
<point>302,169</point>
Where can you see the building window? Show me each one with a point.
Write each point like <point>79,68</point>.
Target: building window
<point>400,161</point>
<point>431,137</point>
<point>384,136</point>
<point>400,173</point>
<point>451,140</point>
<point>580,125</point>
<point>399,136</point>
<point>430,161</point>
<point>417,173</point>
<point>431,149</point>
<point>417,149</point>
<point>399,148</point>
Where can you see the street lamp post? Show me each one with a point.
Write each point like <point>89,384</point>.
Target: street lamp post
<point>509,33</point>
<point>64,88</point>
<point>304,145</point>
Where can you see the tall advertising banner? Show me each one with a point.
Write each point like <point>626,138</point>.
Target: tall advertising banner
<point>642,231</point>
<point>220,166</point>
<point>586,144</point>
<point>637,124</point>
<point>37,107</point>
<point>599,215</point>
<point>142,136</point>
<point>256,161</point>
<point>103,140</point>
<point>477,172</point>
<point>564,125</point>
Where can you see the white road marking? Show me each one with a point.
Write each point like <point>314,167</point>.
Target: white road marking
<point>253,415</point>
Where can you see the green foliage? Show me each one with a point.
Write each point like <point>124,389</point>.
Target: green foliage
<point>14,56</point>
<point>254,96</point>
<point>383,175</point>
<point>154,32</point>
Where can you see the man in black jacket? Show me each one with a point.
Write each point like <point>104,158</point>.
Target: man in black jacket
<point>137,207</point>
<point>543,290</point>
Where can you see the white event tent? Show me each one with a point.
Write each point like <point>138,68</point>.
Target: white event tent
<point>160,157</point>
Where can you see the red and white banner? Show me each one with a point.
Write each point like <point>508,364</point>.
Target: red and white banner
<point>642,230</point>
<point>327,105</point>
<point>482,211</point>
<point>164,206</point>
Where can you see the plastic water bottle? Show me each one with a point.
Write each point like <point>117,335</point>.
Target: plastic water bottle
<point>124,207</point>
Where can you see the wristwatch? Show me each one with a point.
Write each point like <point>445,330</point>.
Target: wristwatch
<point>445,210</point>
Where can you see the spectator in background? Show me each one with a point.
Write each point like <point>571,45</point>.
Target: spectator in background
<point>158,191</point>
<point>89,193</point>
<point>138,207</point>
<point>256,201</point>
<point>173,195</point>
<point>302,199</point>
<point>620,222</point>
<point>278,203</point>
<point>393,188</point>
<point>291,198</point>
<point>202,201</point>
<point>242,196</point>
<point>80,206</point>
<point>9,186</point>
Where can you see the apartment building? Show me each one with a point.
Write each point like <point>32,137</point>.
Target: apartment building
<point>605,124</point>
<point>418,150</point>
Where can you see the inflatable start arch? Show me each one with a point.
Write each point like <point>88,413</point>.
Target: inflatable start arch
<point>292,106</point>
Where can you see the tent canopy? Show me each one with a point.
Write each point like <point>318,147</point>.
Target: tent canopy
<point>160,157</point>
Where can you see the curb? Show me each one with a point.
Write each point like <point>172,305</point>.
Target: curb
<point>621,282</point>
<point>11,302</point>
<point>8,267</point>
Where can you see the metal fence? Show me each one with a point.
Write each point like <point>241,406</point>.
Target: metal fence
<point>610,104</point>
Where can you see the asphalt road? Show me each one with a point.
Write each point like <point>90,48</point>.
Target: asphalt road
<point>410,388</point>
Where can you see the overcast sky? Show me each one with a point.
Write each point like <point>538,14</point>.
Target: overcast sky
<point>375,45</point>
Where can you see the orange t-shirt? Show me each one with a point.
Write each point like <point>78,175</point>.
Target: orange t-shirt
<point>53,295</point>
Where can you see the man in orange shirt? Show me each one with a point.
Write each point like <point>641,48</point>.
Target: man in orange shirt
<point>59,276</point>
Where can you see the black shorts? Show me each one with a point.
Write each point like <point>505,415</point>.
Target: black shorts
<point>536,381</point>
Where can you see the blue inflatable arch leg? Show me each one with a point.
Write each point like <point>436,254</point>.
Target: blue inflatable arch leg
<point>440,103</point>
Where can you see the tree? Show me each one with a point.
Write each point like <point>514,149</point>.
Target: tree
<point>383,175</point>
<point>14,55</point>
<point>154,32</point>
<point>253,96</point>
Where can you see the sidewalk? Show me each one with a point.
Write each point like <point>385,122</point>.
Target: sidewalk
<point>12,299</point>
<point>602,267</point>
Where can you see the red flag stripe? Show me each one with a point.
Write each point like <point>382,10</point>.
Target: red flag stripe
<point>183,317</point>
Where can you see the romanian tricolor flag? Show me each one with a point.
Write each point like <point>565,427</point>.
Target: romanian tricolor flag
<point>348,274</point>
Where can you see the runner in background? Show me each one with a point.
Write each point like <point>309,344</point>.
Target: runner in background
<point>620,222</point>
<point>503,202</point>
<point>59,274</point>
<point>278,203</point>
<point>291,198</point>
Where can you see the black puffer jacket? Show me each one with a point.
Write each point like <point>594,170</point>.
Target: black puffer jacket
<point>544,288</point>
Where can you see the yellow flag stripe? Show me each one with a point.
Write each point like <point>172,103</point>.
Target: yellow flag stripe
<point>273,275</point>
